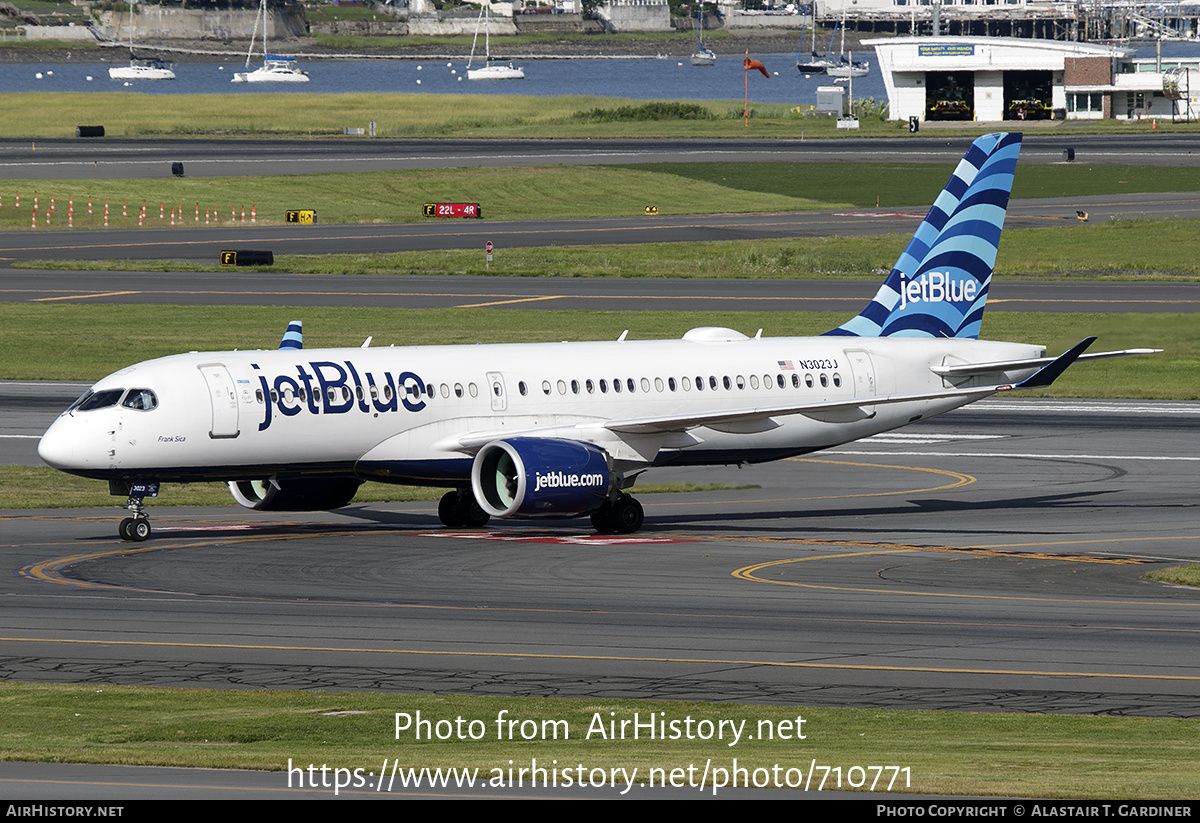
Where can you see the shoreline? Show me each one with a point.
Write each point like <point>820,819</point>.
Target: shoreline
<point>411,48</point>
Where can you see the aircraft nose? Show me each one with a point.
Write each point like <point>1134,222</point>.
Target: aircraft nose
<point>56,447</point>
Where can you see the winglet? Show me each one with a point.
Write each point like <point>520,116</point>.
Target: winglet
<point>939,286</point>
<point>293,338</point>
<point>1050,372</point>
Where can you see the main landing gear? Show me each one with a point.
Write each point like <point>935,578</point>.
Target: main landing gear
<point>622,515</point>
<point>135,529</point>
<point>458,509</point>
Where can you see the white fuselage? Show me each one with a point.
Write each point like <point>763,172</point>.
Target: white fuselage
<point>416,414</point>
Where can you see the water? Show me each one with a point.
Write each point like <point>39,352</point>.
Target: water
<point>635,79</point>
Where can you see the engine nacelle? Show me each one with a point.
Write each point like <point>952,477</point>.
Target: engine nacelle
<point>541,477</point>
<point>295,494</point>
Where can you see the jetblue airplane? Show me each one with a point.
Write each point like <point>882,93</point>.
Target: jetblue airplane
<point>563,430</point>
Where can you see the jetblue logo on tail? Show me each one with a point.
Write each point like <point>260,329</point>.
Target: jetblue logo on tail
<point>938,287</point>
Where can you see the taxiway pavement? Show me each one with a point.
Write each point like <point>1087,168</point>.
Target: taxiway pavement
<point>112,158</point>
<point>988,560</point>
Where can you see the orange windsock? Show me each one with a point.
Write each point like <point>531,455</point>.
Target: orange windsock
<point>749,64</point>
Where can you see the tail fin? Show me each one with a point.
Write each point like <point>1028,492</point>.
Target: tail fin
<point>939,286</point>
<point>293,338</point>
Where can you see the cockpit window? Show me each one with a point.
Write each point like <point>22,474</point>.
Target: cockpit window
<point>141,399</point>
<point>83,398</point>
<point>100,400</point>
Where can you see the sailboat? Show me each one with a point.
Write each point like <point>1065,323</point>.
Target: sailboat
<point>702,56</point>
<point>494,68</point>
<point>811,63</point>
<point>141,68</point>
<point>842,66</point>
<point>275,69</point>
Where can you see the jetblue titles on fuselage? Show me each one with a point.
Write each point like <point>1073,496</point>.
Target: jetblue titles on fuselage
<point>328,387</point>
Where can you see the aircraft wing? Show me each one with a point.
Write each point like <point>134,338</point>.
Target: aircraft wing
<point>855,407</point>
<point>645,425</point>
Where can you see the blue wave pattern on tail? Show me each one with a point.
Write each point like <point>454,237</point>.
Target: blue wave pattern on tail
<point>293,338</point>
<point>939,286</point>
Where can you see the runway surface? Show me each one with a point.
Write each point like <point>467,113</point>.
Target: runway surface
<point>111,158</point>
<point>988,560</point>
<point>599,294</point>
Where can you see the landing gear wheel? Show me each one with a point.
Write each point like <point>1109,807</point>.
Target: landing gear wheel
<point>472,514</point>
<point>448,511</point>
<point>126,529</point>
<point>627,515</point>
<point>460,509</point>
<point>602,520</point>
<point>140,531</point>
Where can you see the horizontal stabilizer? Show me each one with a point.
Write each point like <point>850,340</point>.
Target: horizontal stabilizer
<point>971,369</point>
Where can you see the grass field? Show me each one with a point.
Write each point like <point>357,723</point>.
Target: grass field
<point>39,115</point>
<point>382,197</point>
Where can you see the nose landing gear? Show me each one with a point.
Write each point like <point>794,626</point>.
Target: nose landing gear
<point>135,529</point>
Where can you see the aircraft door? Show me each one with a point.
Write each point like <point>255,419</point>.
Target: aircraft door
<point>223,395</point>
<point>495,382</point>
<point>864,372</point>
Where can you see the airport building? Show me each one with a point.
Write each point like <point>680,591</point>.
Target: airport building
<point>1007,78</point>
